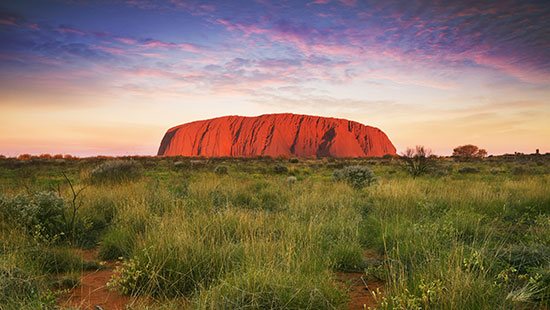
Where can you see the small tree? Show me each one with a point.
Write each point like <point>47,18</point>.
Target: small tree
<point>469,151</point>
<point>417,161</point>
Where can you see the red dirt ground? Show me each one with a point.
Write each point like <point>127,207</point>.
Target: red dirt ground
<point>93,291</point>
<point>361,287</point>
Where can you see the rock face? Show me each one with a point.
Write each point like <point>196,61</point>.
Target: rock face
<point>274,135</point>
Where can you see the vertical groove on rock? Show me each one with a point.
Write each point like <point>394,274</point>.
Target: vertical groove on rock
<point>293,146</point>
<point>199,149</point>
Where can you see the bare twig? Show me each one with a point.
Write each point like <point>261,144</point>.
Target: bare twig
<point>75,204</point>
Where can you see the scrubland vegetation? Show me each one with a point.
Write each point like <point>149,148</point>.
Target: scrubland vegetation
<point>272,233</point>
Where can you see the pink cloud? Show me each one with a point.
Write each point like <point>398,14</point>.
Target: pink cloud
<point>33,26</point>
<point>140,4</point>
<point>126,40</point>
<point>505,65</point>
<point>152,55</point>
<point>336,49</point>
<point>319,2</point>
<point>187,47</point>
<point>111,50</point>
<point>70,30</point>
<point>349,2</point>
<point>8,21</point>
<point>247,29</point>
<point>207,7</point>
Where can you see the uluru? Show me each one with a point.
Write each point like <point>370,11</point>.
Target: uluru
<point>274,135</point>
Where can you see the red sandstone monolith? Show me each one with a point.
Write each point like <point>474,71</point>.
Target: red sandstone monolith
<point>274,135</point>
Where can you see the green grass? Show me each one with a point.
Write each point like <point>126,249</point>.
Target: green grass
<point>250,239</point>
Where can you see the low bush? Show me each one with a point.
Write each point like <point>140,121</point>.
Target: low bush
<point>280,169</point>
<point>197,164</point>
<point>181,165</point>
<point>221,170</point>
<point>468,169</point>
<point>41,214</point>
<point>356,176</point>
<point>115,171</point>
<point>518,170</point>
<point>441,171</point>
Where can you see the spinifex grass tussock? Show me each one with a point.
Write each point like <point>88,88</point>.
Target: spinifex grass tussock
<point>130,224</point>
<point>271,288</point>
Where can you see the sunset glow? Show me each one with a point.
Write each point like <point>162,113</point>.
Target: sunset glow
<point>110,77</point>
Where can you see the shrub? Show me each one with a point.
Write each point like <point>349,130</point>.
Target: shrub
<point>115,171</point>
<point>517,170</point>
<point>291,180</point>
<point>181,165</point>
<point>41,214</point>
<point>468,170</point>
<point>417,161</point>
<point>280,169</point>
<point>338,175</point>
<point>356,176</point>
<point>220,170</point>
<point>441,171</point>
<point>197,164</point>
<point>495,171</point>
<point>294,160</point>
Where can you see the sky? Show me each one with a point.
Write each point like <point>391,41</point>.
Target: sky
<point>110,77</point>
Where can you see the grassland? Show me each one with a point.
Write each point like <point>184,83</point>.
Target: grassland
<point>273,233</point>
